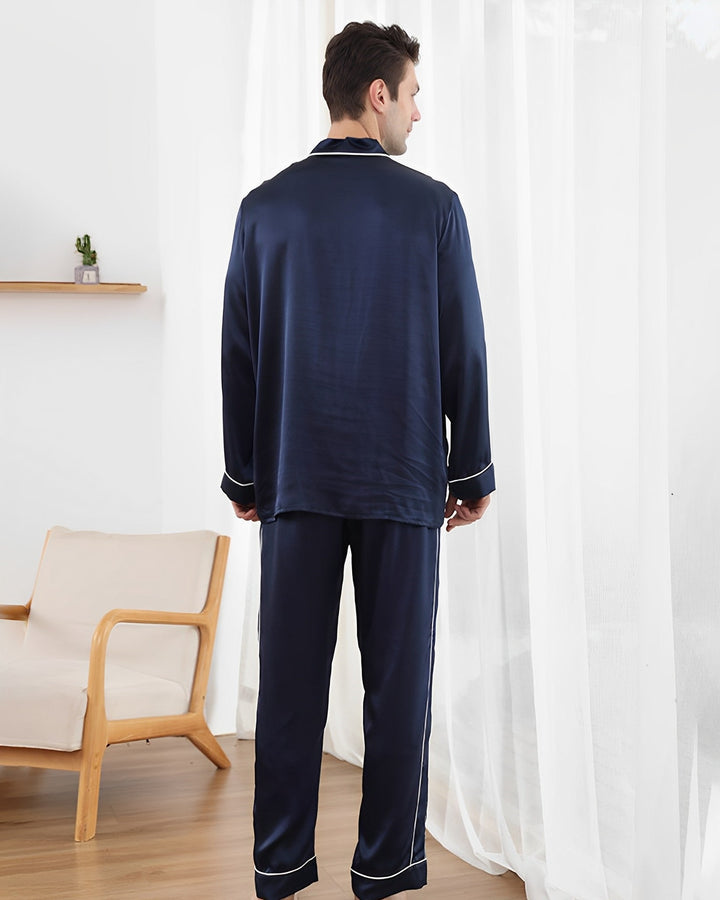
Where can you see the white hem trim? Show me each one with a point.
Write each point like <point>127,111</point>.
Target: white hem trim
<point>291,872</point>
<point>468,477</point>
<point>239,483</point>
<point>385,877</point>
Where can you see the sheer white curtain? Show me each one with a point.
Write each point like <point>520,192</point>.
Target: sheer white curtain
<point>576,718</point>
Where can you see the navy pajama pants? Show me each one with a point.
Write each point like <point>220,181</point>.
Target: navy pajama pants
<point>395,573</point>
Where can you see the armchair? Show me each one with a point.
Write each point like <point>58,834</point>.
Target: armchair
<point>116,647</point>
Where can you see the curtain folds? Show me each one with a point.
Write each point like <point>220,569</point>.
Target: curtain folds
<point>576,731</point>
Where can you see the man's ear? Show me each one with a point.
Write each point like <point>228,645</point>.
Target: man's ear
<point>378,96</point>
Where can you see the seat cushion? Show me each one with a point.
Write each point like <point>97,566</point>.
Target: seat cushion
<point>43,702</point>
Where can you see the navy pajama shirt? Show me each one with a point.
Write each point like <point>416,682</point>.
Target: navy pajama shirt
<point>352,328</point>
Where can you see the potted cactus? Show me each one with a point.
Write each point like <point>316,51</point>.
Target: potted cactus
<point>88,272</point>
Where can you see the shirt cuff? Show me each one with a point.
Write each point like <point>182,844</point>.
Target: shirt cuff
<point>474,486</point>
<point>244,494</point>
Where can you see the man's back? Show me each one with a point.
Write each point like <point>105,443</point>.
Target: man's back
<point>364,325</point>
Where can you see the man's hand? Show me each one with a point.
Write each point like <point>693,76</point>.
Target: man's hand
<point>464,512</point>
<point>248,513</point>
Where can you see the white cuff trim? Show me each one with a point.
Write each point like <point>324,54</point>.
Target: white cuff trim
<point>291,872</point>
<point>385,877</point>
<point>468,477</point>
<point>239,483</point>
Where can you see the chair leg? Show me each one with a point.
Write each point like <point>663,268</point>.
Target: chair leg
<point>88,795</point>
<point>206,743</point>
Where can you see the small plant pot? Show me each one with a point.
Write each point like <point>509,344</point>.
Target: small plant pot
<point>87,275</point>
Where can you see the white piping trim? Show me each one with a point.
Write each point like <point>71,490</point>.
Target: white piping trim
<point>385,877</point>
<point>291,872</point>
<point>238,483</point>
<point>427,702</point>
<point>344,153</point>
<point>468,477</point>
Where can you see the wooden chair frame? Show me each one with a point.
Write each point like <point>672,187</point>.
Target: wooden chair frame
<point>98,731</point>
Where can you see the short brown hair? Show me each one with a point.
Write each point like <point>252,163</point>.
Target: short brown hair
<point>358,55</point>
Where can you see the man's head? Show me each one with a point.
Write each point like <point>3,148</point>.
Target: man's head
<point>370,70</point>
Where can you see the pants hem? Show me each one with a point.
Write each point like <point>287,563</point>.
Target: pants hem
<point>277,887</point>
<point>411,879</point>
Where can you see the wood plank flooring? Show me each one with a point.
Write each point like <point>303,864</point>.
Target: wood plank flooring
<point>171,827</point>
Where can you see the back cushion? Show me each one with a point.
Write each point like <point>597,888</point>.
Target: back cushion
<point>83,574</point>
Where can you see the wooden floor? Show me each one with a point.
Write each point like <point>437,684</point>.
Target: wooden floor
<point>171,826</point>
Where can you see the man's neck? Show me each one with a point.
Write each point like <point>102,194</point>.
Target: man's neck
<point>364,127</point>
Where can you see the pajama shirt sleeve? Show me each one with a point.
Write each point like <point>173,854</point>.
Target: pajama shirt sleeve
<point>463,362</point>
<point>238,381</point>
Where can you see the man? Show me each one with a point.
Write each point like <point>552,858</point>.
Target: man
<point>352,327</point>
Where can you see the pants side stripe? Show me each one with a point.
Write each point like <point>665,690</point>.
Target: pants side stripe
<point>427,702</point>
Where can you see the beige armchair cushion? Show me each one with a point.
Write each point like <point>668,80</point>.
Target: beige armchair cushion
<point>45,701</point>
<point>12,637</point>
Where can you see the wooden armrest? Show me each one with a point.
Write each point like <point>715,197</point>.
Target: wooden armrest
<point>147,617</point>
<point>16,613</point>
<point>114,617</point>
<point>140,617</point>
<point>101,636</point>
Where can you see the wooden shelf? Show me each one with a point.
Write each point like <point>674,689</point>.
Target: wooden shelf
<point>69,287</point>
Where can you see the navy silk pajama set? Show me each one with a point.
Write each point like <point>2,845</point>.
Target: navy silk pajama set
<point>352,328</point>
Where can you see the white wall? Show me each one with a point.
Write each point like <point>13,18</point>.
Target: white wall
<point>79,375</point>
<point>104,420</point>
